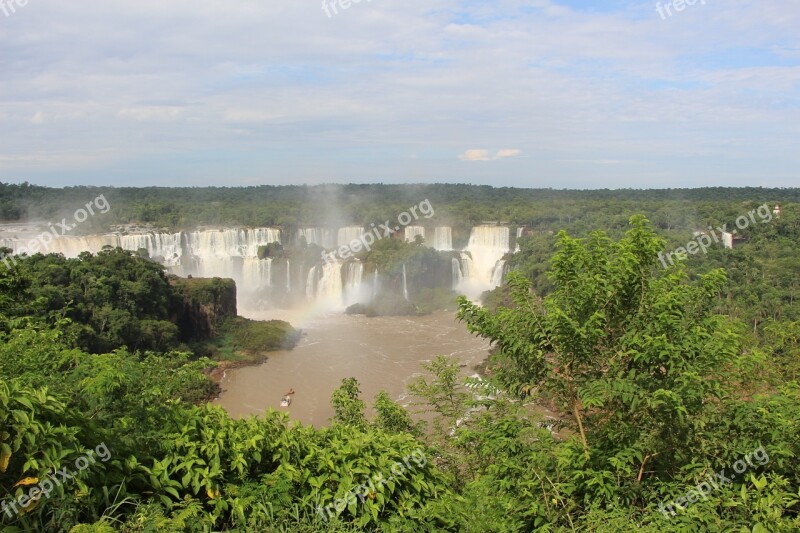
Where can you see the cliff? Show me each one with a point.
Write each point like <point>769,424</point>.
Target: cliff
<point>204,305</point>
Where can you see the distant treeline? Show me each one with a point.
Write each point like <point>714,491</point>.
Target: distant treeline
<point>458,205</point>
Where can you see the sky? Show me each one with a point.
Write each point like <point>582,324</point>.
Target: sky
<point>535,93</point>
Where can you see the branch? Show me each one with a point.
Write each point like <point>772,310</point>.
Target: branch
<point>641,470</point>
<point>578,418</point>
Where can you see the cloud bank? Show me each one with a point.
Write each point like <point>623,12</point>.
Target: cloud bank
<point>239,92</point>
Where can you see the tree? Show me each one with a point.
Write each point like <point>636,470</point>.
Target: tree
<point>348,407</point>
<point>630,352</point>
<point>391,417</point>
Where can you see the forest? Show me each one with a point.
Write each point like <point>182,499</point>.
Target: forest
<point>675,388</point>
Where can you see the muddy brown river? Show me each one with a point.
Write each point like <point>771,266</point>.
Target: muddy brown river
<point>383,353</point>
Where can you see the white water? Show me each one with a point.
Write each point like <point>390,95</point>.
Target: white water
<point>166,248</point>
<point>443,239</point>
<point>329,288</point>
<point>233,253</point>
<point>353,278</point>
<point>412,231</point>
<point>229,253</point>
<point>231,243</point>
<point>311,284</point>
<point>520,230</point>
<point>497,274</point>
<point>257,273</point>
<point>458,276</point>
<point>349,234</point>
<point>487,246</point>
<point>320,236</point>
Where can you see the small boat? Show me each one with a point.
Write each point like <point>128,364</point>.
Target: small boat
<point>286,401</point>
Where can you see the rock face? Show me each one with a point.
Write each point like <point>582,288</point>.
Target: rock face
<point>206,303</point>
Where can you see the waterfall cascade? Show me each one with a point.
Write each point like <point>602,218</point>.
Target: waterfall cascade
<point>311,284</point>
<point>230,253</point>
<point>458,276</point>
<point>68,246</point>
<point>320,236</point>
<point>256,272</point>
<point>329,287</point>
<point>349,234</point>
<point>498,273</point>
<point>233,253</point>
<point>167,248</point>
<point>411,232</point>
<point>443,239</point>
<point>487,246</point>
<point>353,277</point>
<point>520,230</point>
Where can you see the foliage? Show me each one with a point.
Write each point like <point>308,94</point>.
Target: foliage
<point>241,339</point>
<point>348,407</point>
<point>615,386</point>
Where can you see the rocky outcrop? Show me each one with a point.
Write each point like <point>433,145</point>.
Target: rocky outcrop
<point>203,306</point>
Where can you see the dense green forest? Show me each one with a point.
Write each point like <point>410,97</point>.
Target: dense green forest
<point>461,206</point>
<point>675,387</point>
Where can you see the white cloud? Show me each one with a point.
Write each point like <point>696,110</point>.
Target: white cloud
<point>507,152</point>
<point>475,155</point>
<point>272,82</point>
<point>484,155</point>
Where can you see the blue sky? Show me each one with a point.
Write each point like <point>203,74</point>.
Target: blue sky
<point>536,93</point>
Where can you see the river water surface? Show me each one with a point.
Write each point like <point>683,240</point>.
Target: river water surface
<point>383,353</point>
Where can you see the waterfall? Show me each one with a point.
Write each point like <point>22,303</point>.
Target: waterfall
<point>467,266</point>
<point>443,239</point>
<point>498,272</point>
<point>348,234</point>
<point>375,284</point>
<point>225,253</point>
<point>405,283</point>
<point>458,276</point>
<point>520,229</point>
<point>288,276</point>
<point>311,284</point>
<point>257,272</point>
<point>353,276</point>
<point>169,248</point>
<point>68,246</point>
<point>329,288</point>
<point>487,246</point>
<point>166,248</point>
<point>231,242</point>
<point>412,231</point>
<point>320,236</point>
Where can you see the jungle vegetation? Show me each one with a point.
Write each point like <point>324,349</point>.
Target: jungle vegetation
<point>658,378</point>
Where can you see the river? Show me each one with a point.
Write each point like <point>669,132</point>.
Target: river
<point>383,353</point>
